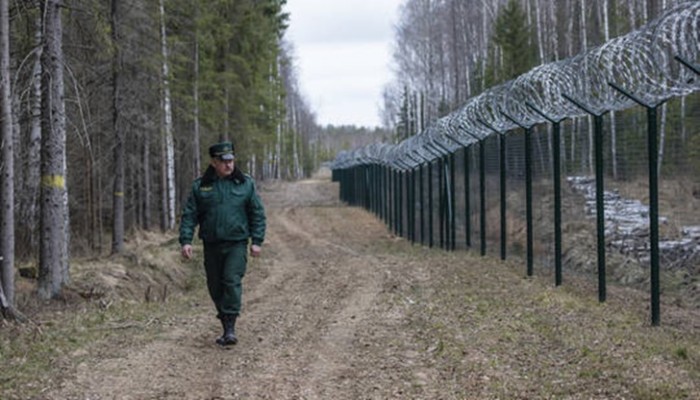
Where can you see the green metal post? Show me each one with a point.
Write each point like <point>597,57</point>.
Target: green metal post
<point>441,201</point>
<point>502,165</point>
<point>430,204</point>
<point>421,193</point>
<point>556,142</point>
<point>395,200</point>
<point>453,221</point>
<point>467,203</point>
<point>652,136</point>
<point>398,202</point>
<point>600,206</point>
<point>528,199</point>
<point>482,195</point>
<point>653,155</point>
<point>410,209</point>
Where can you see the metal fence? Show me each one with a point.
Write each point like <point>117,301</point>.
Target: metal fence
<point>561,165</point>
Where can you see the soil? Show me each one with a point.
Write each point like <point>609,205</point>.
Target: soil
<point>339,308</point>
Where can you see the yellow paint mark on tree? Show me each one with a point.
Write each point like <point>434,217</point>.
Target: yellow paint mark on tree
<point>53,181</point>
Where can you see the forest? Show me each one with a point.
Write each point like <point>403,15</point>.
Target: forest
<point>108,107</point>
<point>447,51</point>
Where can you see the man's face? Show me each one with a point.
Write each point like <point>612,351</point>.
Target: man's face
<point>223,168</point>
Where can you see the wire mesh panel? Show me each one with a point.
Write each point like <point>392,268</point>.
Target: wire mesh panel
<point>613,144</point>
<point>579,246</point>
<point>492,195</point>
<point>515,194</point>
<point>543,199</point>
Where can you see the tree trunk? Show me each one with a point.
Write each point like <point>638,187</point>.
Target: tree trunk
<point>7,194</point>
<point>169,142</point>
<point>613,125</point>
<point>33,169</point>
<point>53,258</point>
<point>195,96</point>
<point>540,34</point>
<point>197,140</point>
<point>146,183</point>
<point>118,132</point>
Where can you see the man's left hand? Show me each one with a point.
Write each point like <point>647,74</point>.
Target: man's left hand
<point>255,250</point>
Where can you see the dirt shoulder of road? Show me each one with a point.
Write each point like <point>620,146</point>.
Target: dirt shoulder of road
<point>339,308</point>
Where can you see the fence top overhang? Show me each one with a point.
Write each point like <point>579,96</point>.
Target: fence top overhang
<point>646,63</point>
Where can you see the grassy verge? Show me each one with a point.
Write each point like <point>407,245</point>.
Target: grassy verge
<point>495,334</point>
<point>62,334</point>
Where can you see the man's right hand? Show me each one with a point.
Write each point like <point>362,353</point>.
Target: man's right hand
<point>186,251</point>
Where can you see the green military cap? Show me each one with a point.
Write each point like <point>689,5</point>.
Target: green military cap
<point>223,151</point>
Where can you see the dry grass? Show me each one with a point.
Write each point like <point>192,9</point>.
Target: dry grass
<point>340,308</point>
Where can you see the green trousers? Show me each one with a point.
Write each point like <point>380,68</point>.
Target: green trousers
<point>225,265</point>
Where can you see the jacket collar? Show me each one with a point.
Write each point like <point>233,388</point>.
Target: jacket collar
<point>210,176</point>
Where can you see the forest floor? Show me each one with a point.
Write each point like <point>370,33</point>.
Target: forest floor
<point>339,308</point>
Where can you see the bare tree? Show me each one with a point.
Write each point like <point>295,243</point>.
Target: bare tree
<point>118,192</point>
<point>53,258</point>
<point>7,195</point>
<point>169,144</point>
<point>195,98</point>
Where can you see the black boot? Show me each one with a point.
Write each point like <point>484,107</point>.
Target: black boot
<point>229,337</point>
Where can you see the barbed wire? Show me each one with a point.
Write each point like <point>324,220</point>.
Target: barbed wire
<point>649,62</point>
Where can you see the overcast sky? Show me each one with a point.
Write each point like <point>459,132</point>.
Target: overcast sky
<point>343,54</point>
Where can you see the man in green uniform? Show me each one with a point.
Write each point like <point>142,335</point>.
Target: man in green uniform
<point>225,205</point>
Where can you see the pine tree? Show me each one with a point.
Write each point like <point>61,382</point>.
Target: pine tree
<point>515,39</point>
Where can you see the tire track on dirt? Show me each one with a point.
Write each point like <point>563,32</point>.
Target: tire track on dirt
<point>320,327</point>
<point>308,325</point>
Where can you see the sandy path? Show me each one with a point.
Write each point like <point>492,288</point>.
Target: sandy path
<point>309,327</point>
<point>338,308</point>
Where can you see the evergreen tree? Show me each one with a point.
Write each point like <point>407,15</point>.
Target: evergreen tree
<point>515,39</point>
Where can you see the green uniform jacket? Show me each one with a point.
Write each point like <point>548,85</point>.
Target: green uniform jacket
<point>226,210</point>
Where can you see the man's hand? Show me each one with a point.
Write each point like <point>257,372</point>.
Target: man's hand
<point>186,251</point>
<point>255,250</point>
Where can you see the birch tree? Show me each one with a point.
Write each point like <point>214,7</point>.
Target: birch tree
<point>613,131</point>
<point>53,258</point>
<point>118,131</point>
<point>7,220</point>
<point>169,144</point>
<point>197,167</point>
<point>30,171</point>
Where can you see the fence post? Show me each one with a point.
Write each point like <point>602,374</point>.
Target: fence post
<point>422,205</point>
<point>430,204</point>
<point>556,156</point>
<point>453,218</point>
<point>467,202</point>
<point>653,155</point>
<point>600,206</point>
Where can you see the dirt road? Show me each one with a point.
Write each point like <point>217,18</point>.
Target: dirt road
<point>337,308</point>
<point>304,332</point>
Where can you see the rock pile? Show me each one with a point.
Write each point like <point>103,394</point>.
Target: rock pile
<point>627,228</point>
